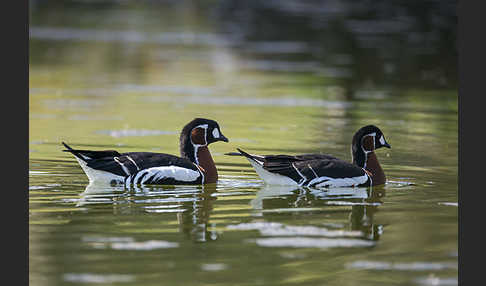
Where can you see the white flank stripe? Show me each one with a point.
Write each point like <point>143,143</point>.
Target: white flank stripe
<point>338,182</point>
<point>133,161</point>
<point>128,181</point>
<point>125,169</point>
<point>300,174</point>
<point>177,173</point>
<point>135,179</point>
<point>308,165</point>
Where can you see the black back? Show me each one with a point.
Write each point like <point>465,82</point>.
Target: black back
<point>135,161</point>
<point>310,166</point>
<point>112,161</point>
<point>304,168</point>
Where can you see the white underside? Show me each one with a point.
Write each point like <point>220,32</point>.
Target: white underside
<point>271,178</point>
<point>97,176</point>
<point>177,173</point>
<point>338,182</point>
<point>277,179</point>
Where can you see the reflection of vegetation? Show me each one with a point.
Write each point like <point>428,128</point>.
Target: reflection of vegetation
<point>387,45</point>
<point>384,44</point>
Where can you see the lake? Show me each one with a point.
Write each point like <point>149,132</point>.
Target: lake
<point>279,79</point>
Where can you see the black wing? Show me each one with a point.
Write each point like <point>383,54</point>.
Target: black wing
<point>273,163</point>
<point>130,163</point>
<point>328,168</point>
<point>303,157</point>
<point>126,164</point>
<point>280,163</point>
<point>312,168</point>
<point>88,154</point>
<point>306,167</point>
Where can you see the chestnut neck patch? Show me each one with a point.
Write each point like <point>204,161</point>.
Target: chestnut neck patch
<point>368,144</point>
<point>198,136</point>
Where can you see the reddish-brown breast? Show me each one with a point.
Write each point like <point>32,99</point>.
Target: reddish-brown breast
<point>204,156</point>
<point>206,162</point>
<point>373,166</point>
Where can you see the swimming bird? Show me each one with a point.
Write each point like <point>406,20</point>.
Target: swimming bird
<point>194,166</point>
<point>321,170</point>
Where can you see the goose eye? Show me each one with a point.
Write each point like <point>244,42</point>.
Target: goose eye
<point>216,133</point>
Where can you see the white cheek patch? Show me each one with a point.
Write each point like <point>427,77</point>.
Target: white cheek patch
<point>215,133</point>
<point>382,140</point>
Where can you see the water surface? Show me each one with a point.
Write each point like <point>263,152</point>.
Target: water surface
<point>129,77</point>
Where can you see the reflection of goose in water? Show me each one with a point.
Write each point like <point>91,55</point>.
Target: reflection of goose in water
<point>364,203</point>
<point>99,194</point>
<point>191,204</point>
<point>275,191</point>
<point>362,215</point>
<point>194,221</point>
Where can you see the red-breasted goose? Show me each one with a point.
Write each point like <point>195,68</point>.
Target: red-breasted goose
<point>195,166</point>
<point>320,170</point>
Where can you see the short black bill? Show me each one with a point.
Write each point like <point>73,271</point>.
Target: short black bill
<point>223,138</point>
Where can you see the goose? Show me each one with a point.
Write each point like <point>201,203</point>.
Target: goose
<point>194,166</point>
<point>322,170</point>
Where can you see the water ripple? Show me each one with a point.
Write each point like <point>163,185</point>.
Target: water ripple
<point>97,278</point>
<point>274,101</point>
<point>436,281</point>
<point>279,229</point>
<point>307,242</point>
<point>343,203</point>
<point>145,245</point>
<point>413,266</point>
<point>449,204</point>
<point>99,35</point>
<point>213,266</point>
<point>134,132</point>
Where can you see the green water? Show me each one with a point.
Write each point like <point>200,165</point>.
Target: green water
<point>129,78</point>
